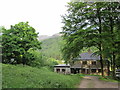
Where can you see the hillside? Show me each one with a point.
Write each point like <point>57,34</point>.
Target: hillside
<point>43,37</point>
<point>51,47</point>
<point>28,77</point>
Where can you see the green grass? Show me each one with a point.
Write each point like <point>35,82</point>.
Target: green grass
<point>108,79</point>
<point>105,78</point>
<point>28,77</point>
<point>94,75</point>
<point>0,76</point>
<point>82,75</point>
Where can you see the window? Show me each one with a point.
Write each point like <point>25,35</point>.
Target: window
<point>63,70</point>
<point>93,62</point>
<point>99,70</point>
<point>93,70</point>
<point>84,62</point>
<point>82,70</point>
<point>58,70</point>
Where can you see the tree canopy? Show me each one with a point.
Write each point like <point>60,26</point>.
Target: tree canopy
<point>89,24</point>
<point>16,42</point>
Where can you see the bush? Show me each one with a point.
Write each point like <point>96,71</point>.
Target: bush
<point>40,60</point>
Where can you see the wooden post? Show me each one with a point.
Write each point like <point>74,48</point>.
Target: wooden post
<point>80,71</point>
<point>54,69</point>
<point>60,70</point>
<point>85,71</point>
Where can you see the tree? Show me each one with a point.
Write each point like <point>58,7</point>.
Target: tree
<point>16,42</point>
<point>81,28</point>
<point>92,24</point>
<point>41,60</point>
<point>111,28</point>
<point>1,27</point>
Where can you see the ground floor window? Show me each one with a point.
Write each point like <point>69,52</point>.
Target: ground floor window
<point>99,70</point>
<point>83,71</point>
<point>63,70</point>
<point>75,70</point>
<point>93,70</point>
<point>58,70</point>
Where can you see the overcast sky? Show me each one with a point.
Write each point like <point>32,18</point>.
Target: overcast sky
<point>43,15</point>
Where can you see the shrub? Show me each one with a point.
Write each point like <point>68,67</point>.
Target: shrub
<point>40,60</point>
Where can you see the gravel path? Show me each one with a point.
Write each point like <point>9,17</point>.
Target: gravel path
<point>94,82</point>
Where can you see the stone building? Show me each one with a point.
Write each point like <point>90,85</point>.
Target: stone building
<point>86,63</point>
<point>62,68</point>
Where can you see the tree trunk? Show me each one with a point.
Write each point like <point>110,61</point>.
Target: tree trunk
<point>108,67</point>
<point>101,62</point>
<point>100,43</point>
<point>111,65</point>
<point>113,46</point>
<point>114,65</point>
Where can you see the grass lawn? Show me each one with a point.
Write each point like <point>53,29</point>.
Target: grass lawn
<point>105,78</point>
<point>108,78</point>
<point>28,77</point>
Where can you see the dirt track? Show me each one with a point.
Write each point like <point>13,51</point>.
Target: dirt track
<point>94,82</point>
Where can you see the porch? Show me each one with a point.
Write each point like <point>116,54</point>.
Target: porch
<point>86,71</point>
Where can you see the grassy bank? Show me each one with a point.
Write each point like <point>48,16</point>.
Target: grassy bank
<point>28,77</point>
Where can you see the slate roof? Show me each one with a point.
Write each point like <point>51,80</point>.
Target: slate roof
<point>87,56</point>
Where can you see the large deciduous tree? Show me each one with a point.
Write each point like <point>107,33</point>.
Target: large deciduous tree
<point>92,24</point>
<point>16,42</point>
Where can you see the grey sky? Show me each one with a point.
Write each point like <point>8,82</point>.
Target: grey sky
<point>43,15</point>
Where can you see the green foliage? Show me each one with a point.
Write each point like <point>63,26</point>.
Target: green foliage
<point>108,79</point>
<point>51,47</point>
<point>16,42</point>
<point>92,25</point>
<point>40,60</point>
<point>51,62</point>
<point>28,77</point>
<point>1,40</point>
<point>0,75</point>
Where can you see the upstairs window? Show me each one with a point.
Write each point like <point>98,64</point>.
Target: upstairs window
<point>93,62</point>
<point>84,62</point>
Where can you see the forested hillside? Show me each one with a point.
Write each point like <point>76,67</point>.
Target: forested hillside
<point>51,47</point>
